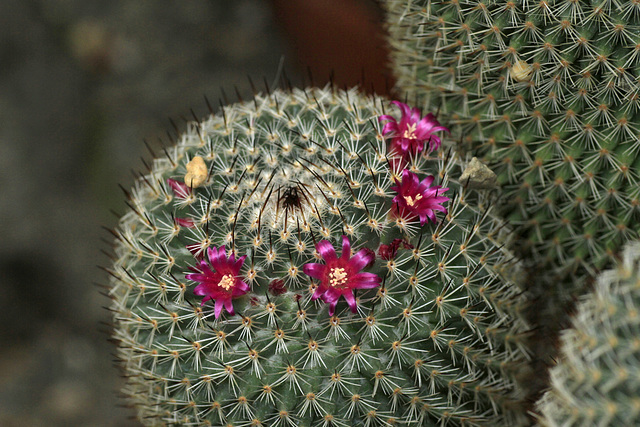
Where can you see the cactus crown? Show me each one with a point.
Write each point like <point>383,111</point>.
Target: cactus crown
<point>295,320</point>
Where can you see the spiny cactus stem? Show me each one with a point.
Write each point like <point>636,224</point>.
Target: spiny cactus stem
<point>279,355</point>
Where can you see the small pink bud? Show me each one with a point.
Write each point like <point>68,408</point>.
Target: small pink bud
<point>277,287</point>
<point>180,189</point>
<point>185,222</point>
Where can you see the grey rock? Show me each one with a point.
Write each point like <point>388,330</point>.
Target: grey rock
<point>477,176</point>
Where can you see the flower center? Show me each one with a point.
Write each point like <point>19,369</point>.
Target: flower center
<point>226,282</point>
<point>337,277</point>
<point>411,201</point>
<point>410,132</point>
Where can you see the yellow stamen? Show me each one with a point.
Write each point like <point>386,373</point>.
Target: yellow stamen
<point>411,201</point>
<point>337,277</point>
<point>226,282</point>
<point>410,133</point>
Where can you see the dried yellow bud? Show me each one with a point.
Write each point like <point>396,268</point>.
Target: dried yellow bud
<point>521,71</point>
<point>196,172</point>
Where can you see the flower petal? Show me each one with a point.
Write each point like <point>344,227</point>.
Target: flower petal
<point>201,289</point>
<point>346,248</point>
<point>366,281</point>
<point>332,308</point>
<point>331,295</point>
<point>228,304</point>
<point>351,300</point>
<point>314,270</point>
<point>240,288</point>
<point>212,254</point>
<point>404,108</point>
<point>326,251</point>
<point>425,183</point>
<point>238,264</point>
<point>196,277</point>
<point>361,259</point>
<point>218,307</point>
<point>320,291</point>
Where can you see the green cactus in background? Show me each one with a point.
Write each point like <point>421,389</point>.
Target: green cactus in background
<point>547,92</point>
<point>283,266</point>
<point>596,379</point>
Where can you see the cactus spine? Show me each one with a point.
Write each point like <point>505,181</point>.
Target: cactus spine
<point>596,379</point>
<point>288,179</point>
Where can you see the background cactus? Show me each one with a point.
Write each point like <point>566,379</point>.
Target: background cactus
<point>290,172</point>
<point>596,379</point>
<point>548,93</point>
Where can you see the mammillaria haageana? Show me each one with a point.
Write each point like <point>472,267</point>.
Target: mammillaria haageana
<point>415,322</point>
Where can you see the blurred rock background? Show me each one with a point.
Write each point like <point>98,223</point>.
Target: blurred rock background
<point>82,83</point>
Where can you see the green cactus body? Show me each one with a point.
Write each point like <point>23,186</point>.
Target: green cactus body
<point>548,93</point>
<point>596,379</point>
<point>434,344</point>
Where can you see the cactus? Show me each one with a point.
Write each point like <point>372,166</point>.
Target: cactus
<point>548,94</point>
<point>595,382</point>
<point>281,266</point>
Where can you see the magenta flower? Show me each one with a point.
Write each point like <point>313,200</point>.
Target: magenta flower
<point>417,198</point>
<point>340,276</point>
<point>221,283</point>
<point>411,134</point>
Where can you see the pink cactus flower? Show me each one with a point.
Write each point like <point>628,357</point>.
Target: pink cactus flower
<point>417,198</point>
<point>219,280</point>
<point>412,133</point>
<point>340,276</point>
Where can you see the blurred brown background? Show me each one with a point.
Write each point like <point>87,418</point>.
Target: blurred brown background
<point>82,82</point>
